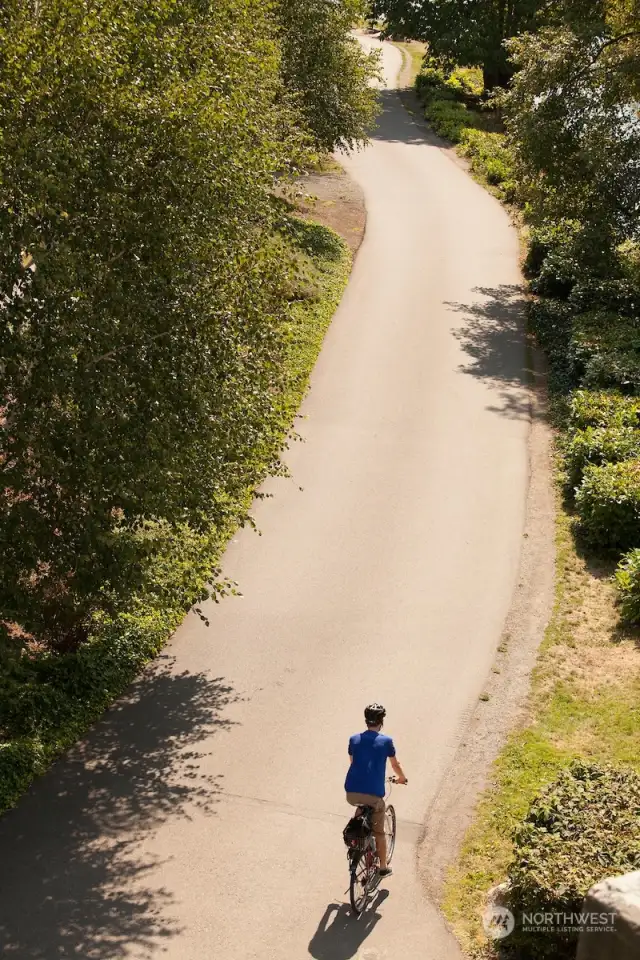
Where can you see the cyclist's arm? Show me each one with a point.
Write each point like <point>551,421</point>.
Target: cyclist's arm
<point>397,769</point>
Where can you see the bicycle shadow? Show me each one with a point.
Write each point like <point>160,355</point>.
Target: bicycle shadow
<point>341,937</point>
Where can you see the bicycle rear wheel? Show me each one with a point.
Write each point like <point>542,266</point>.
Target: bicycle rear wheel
<point>359,884</point>
<point>390,831</point>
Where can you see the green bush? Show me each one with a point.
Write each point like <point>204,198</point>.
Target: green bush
<point>448,118</point>
<point>608,504</point>
<point>602,408</point>
<point>548,238</point>
<point>582,828</point>
<point>598,445</point>
<point>628,583</point>
<point>468,80</point>
<point>551,323</point>
<point>490,158</point>
<point>606,348</point>
<point>558,274</point>
<point>619,296</point>
<point>429,80</point>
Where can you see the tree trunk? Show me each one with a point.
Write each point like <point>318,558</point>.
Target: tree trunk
<point>496,75</point>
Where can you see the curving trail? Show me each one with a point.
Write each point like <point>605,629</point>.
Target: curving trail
<point>202,819</point>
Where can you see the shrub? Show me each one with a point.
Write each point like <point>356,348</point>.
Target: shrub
<point>558,274</point>
<point>428,80</point>
<point>601,408</point>
<point>598,445</point>
<point>468,80</point>
<point>628,583</point>
<point>546,238</point>
<point>488,154</point>
<point>617,295</point>
<point>608,503</point>
<point>606,347</point>
<point>551,323</point>
<point>448,118</point>
<point>629,254</point>
<point>582,828</point>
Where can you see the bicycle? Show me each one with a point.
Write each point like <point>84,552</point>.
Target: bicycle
<point>363,856</point>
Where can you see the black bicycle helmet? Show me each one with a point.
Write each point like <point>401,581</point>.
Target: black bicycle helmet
<point>374,713</point>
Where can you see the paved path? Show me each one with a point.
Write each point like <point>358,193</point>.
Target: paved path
<point>202,820</point>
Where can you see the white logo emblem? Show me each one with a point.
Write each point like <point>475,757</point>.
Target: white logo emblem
<point>498,922</point>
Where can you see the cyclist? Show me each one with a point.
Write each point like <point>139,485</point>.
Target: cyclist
<point>365,782</point>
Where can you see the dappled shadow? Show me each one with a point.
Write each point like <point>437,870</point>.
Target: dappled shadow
<point>74,874</point>
<point>400,121</point>
<point>494,340</point>
<point>340,934</point>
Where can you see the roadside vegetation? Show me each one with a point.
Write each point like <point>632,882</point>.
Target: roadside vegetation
<point>161,309</point>
<point>544,103</point>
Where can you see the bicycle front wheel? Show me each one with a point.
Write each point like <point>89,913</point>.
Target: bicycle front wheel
<point>390,831</point>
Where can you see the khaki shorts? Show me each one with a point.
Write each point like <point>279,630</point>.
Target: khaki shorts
<point>368,800</point>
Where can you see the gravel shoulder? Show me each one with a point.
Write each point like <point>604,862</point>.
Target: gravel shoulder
<point>336,201</point>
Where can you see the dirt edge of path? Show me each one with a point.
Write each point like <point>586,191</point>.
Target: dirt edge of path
<point>335,200</point>
<point>507,686</point>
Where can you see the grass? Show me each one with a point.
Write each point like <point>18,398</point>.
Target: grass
<point>413,53</point>
<point>50,701</point>
<point>584,702</point>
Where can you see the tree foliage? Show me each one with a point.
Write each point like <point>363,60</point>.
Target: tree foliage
<point>327,71</point>
<point>143,289</point>
<point>573,121</point>
<point>464,32</point>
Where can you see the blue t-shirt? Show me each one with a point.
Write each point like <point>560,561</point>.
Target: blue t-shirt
<point>367,772</point>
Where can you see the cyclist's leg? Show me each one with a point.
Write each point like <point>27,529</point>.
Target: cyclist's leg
<point>379,808</point>
<point>366,799</point>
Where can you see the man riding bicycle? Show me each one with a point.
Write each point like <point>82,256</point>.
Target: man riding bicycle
<point>365,781</point>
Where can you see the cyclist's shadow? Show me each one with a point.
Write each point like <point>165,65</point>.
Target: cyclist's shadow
<point>339,938</point>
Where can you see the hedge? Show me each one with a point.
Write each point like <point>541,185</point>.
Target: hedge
<point>596,446</point>
<point>601,408</point>
<point>606,347</point>
<point>558,275</point>
<point>584,827</point>
<point>545,239</point>
<point>490,158</point>
<point>551,323</point>
<point>608,505</point>
<point>628,583</point>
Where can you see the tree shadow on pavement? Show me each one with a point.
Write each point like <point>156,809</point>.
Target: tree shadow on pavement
<point>340,934</point>
<point>74,875</point>
<point>399,125</point>
<point>493,336</point>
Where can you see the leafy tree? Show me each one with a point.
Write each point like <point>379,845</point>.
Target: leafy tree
<point>464,32</point>
<point>573,121</point>
<point>142,298</point>
<point>327,72</point>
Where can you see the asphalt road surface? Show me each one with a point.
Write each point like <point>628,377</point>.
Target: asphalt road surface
<point>202,819</point>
